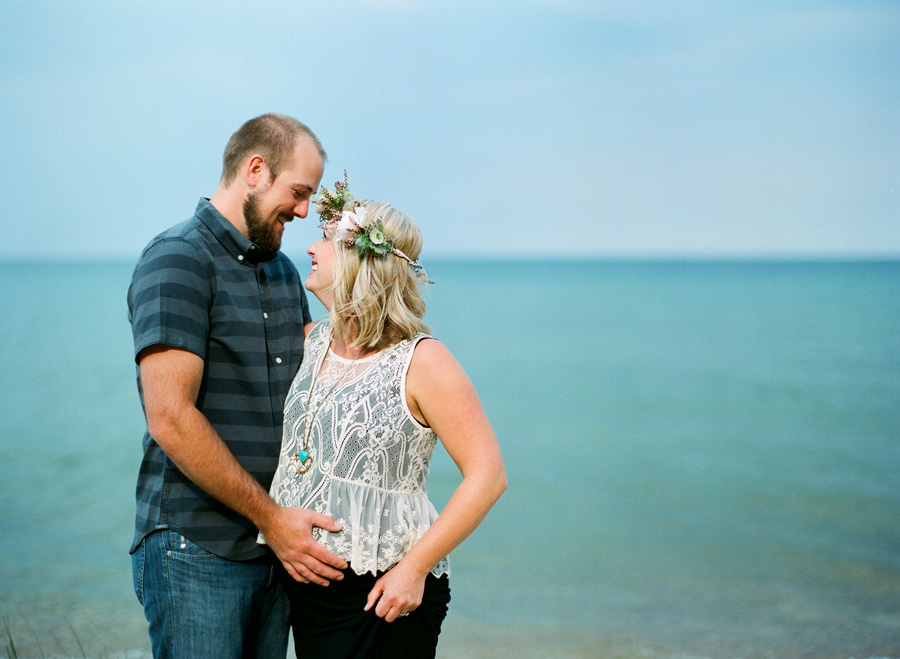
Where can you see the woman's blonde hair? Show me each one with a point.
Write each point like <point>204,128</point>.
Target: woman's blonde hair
<point>377,299</point>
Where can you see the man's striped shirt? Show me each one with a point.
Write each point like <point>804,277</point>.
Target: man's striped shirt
<point>200,287</point>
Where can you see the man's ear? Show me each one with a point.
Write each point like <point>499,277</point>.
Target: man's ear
<point>256,171</point>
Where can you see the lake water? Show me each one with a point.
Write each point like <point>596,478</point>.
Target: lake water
<point>704,459</point>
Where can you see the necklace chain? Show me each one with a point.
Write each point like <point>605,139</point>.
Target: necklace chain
<point>302,459</point>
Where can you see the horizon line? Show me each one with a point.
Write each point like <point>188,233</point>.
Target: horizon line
<point>699,257</point>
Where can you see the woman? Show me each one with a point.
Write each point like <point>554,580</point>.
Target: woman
<point>373,395</point>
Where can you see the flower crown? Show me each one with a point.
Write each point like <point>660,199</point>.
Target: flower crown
<point>349,222</point>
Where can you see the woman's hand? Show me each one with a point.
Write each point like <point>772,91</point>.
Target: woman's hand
<point>397,592</point>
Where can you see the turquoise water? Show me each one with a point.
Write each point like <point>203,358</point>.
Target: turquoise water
<point>704,459</point>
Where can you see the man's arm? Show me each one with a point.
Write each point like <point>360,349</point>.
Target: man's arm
<point>170,380</point>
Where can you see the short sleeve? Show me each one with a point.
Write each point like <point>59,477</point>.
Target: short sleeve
<point>170,298</point>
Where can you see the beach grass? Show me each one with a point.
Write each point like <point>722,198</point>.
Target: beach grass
<point>10,643</point>
<point>72,645</point>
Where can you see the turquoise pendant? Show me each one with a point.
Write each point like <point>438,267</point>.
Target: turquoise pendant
<point>301,458</point>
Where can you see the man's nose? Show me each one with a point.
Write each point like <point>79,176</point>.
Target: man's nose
<point>301,210</point>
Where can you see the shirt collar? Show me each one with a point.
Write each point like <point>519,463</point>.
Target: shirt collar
<point>237,244</point>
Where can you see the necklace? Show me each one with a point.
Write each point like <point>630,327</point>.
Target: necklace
<point>303,461</point>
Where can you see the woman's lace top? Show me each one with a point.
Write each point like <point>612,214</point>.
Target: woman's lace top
<point>370,455</point>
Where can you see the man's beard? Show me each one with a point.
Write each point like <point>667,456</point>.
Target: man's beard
<point>261,234</point>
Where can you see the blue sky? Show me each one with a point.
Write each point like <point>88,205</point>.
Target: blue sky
<point>533,128</point>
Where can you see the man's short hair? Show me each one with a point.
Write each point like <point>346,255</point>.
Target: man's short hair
<point>273,136</point>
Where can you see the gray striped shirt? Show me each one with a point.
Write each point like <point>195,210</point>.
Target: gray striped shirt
<point>200,287</point>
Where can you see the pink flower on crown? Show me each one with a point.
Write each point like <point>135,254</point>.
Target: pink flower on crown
<point>361,218</point>
<point>348,226</point>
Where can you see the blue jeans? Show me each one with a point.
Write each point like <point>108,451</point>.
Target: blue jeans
<point>199,605</point>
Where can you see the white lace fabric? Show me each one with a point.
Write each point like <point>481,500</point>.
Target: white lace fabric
<point>370,455</point>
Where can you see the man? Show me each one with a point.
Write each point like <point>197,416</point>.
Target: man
<point>217,314</point>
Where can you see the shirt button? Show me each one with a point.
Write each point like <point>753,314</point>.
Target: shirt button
<point>240,257</point>
<point>278,360</point>
<point>265,315</point>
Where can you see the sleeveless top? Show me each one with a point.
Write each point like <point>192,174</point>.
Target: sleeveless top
<point>370,455</point>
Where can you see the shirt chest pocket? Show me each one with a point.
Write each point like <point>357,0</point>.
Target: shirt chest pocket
<point>285,334</point>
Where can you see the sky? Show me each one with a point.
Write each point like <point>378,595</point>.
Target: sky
<point>537,128</point>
